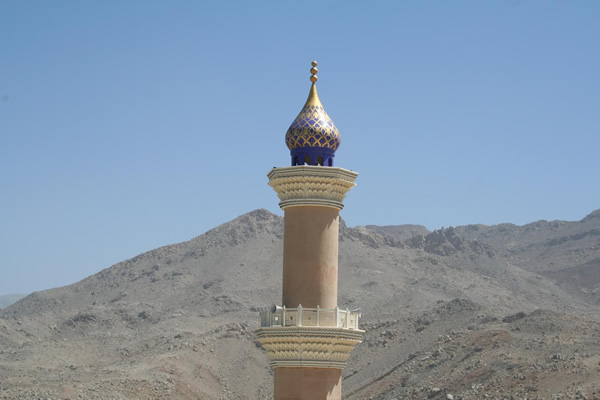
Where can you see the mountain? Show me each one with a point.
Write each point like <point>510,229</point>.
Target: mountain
<point>467,312</point>
<point>7,299</point>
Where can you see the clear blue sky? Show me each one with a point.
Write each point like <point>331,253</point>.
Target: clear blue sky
<point>128,125</point>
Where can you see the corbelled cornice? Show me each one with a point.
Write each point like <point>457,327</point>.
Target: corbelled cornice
<point>301,346</point>
<point>307,185</point>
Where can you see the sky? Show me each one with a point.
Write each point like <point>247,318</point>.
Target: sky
<point>126,126</point>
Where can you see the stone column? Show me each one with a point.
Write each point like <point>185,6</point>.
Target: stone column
<point>308,383</point>
<point>310,256</point>
<point>308,360</point>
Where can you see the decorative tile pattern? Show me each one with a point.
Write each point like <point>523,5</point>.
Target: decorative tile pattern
<point>313,128</point>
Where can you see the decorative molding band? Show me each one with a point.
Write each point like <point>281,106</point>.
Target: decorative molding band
<point>308,346</point>
<point>308,185</point>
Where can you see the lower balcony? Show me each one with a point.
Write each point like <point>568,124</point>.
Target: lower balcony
<point>309,337</point>
<point>317,317</point>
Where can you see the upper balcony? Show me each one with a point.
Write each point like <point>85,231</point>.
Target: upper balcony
<point>310,317</point>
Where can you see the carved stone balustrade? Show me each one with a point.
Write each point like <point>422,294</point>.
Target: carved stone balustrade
<point>319,317</point>
<point>309,337</point>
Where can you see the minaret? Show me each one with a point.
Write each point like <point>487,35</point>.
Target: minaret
<point>308,339</point>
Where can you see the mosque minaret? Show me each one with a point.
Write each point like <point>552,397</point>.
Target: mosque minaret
<point>308,339</point>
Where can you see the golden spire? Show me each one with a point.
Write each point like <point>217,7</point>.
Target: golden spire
<point>313,138</point>
<point>313,96</point>
<point>314,71</point>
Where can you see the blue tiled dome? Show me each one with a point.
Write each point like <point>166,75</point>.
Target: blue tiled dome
<point>313,137</point>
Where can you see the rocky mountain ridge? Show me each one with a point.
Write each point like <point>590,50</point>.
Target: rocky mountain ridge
<point>8,299</point>
<point>467,311</point>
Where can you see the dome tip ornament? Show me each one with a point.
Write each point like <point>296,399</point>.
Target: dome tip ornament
<point>314,78</point>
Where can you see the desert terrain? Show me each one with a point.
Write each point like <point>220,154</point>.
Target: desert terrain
<point>468,312</point>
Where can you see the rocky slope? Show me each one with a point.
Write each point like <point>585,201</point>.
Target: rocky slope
<point>8,299</point>
<point>465,312</point>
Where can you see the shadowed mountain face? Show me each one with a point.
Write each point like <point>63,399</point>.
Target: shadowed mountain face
<point>467,311</point>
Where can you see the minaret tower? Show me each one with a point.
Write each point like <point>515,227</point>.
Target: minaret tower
<point>308,339</point>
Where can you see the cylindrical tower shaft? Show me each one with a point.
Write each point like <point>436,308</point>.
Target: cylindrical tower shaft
<point>308,384</point>
<point>310,256</point>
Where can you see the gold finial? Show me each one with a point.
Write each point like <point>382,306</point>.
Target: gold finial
<point>314,71</point>
<point>313,133</point>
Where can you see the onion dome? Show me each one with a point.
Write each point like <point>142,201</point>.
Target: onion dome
<point>313,138</point>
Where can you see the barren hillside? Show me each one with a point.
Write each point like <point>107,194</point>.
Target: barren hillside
<point>469,312</point>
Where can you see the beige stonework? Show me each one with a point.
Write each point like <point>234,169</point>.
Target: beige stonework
<point>308,384</point>
<point>311,185</point>
<point>316,347</point>
<point>310,257</point>
<point>308,339</point>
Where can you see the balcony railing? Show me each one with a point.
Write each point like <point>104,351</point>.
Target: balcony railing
<point>311,317</point>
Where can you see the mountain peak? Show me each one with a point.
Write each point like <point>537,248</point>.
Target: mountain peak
<point>242,228</point>
<point>592,215</point>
